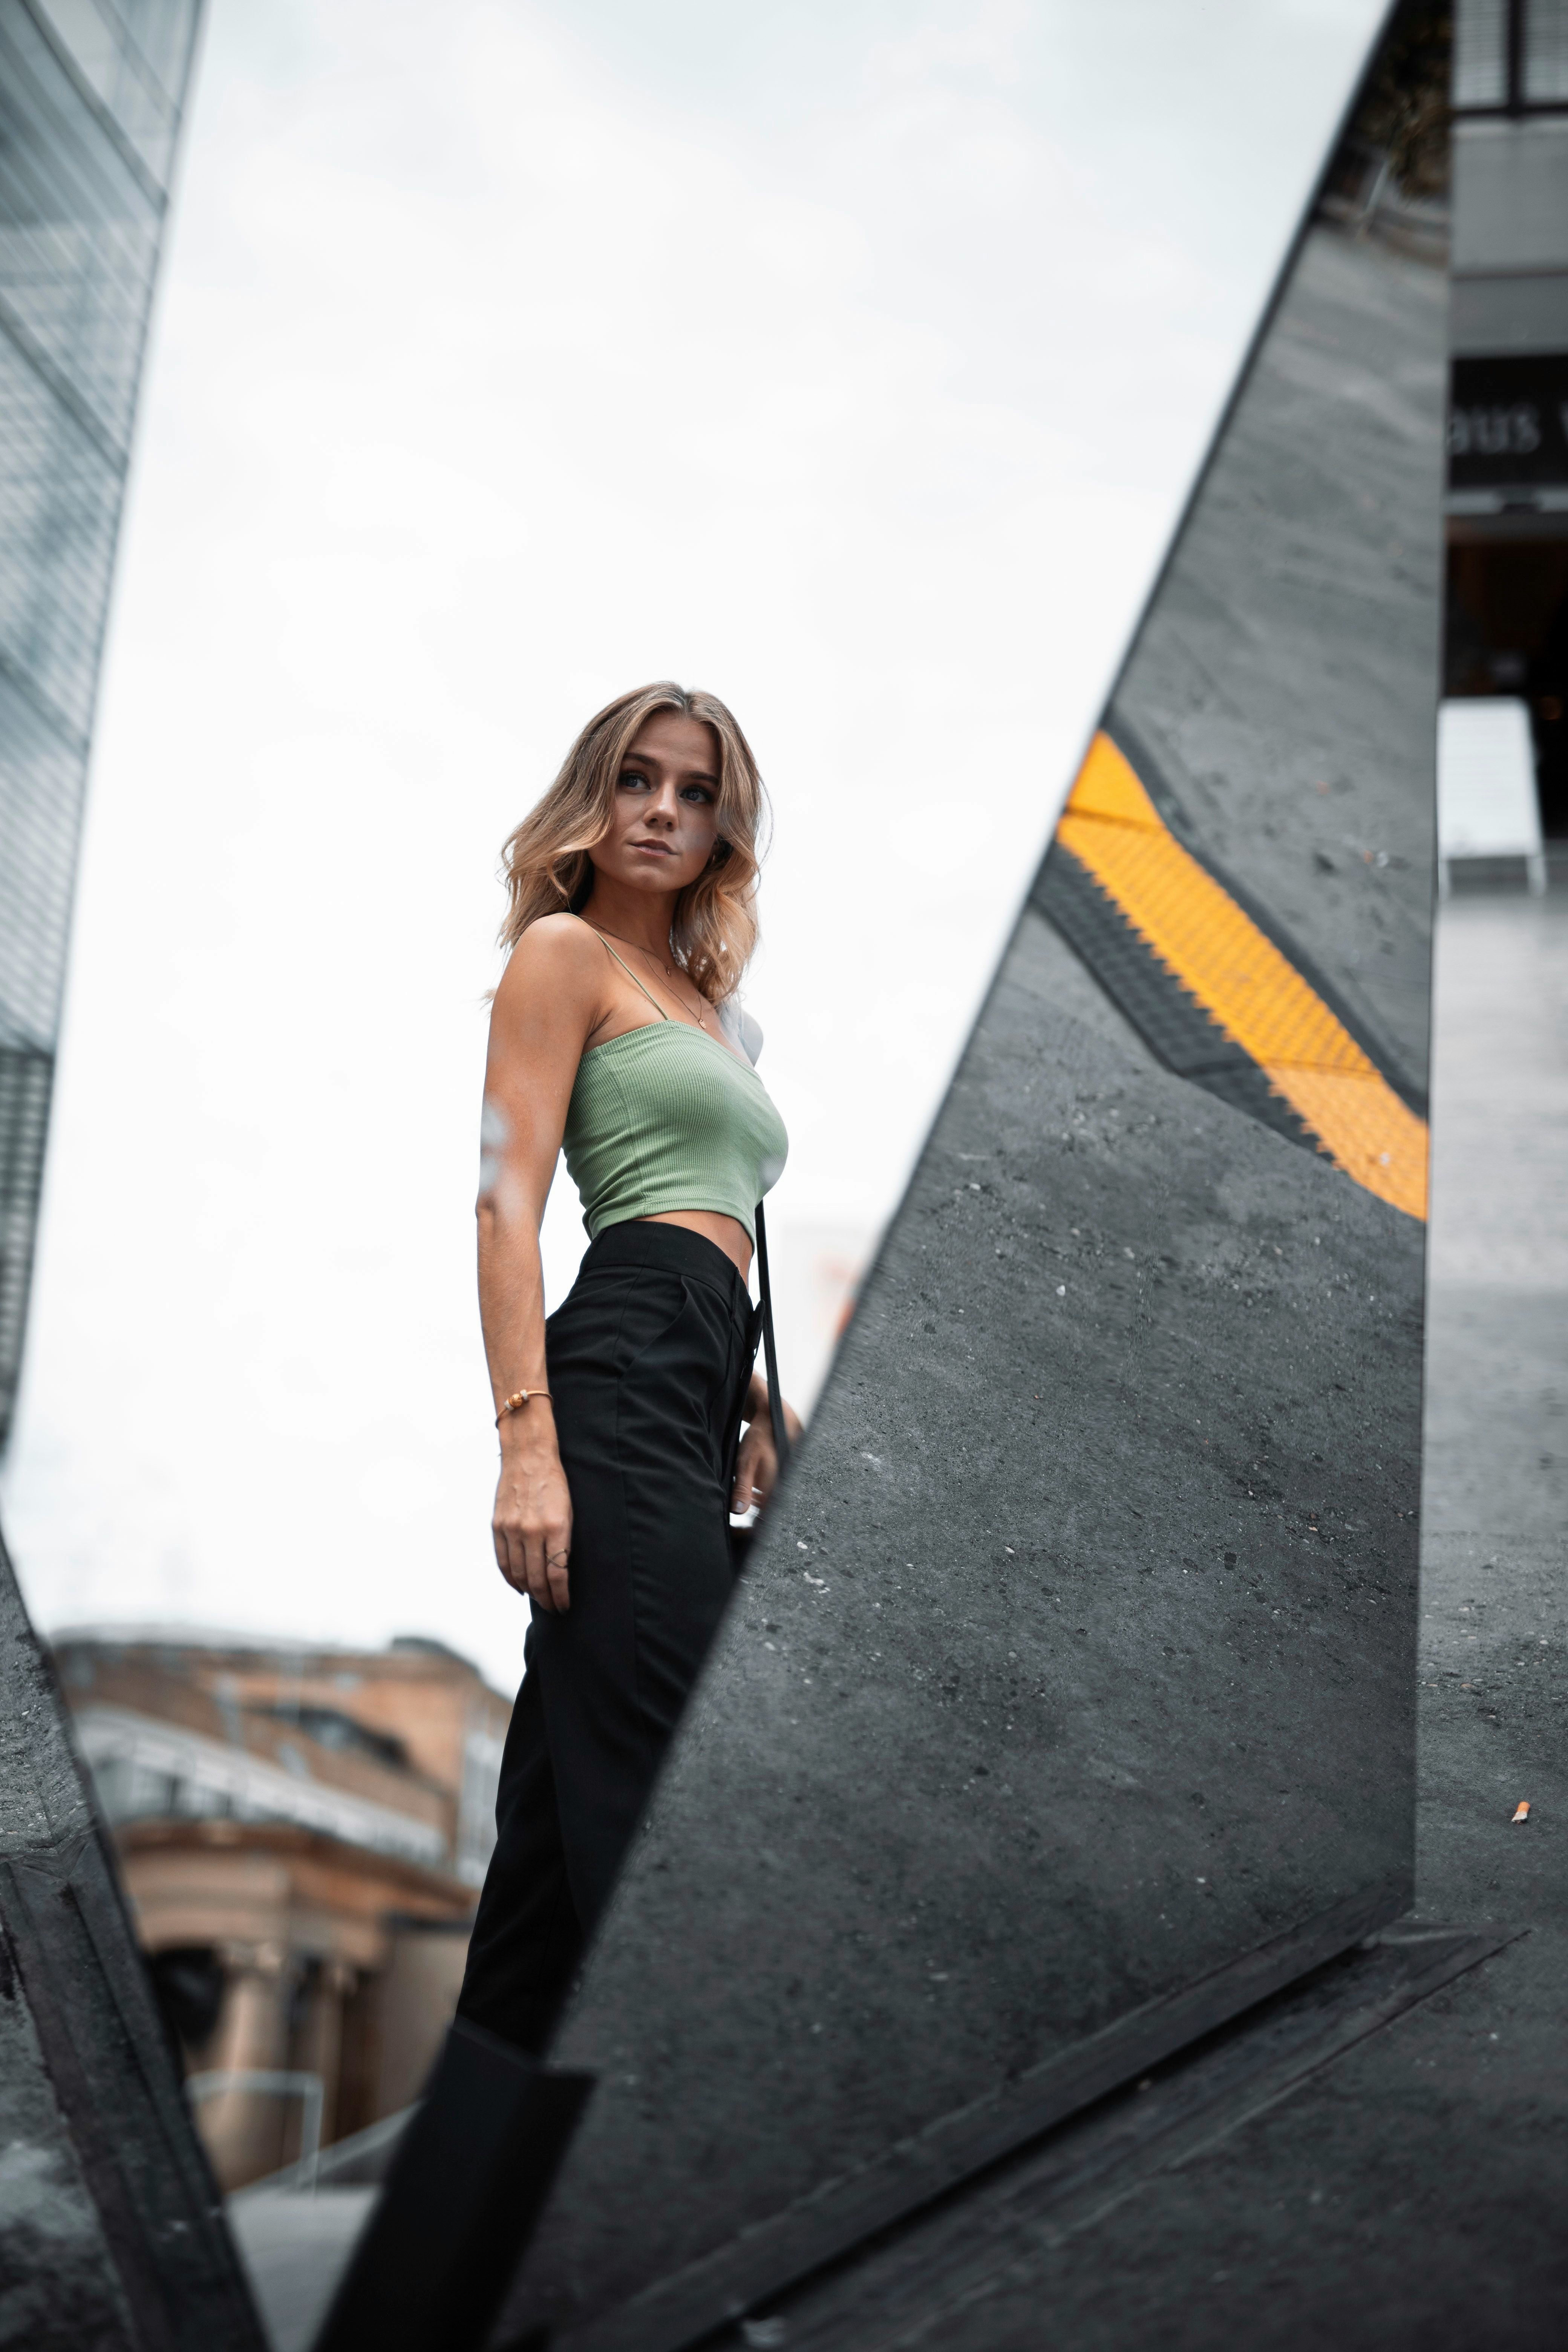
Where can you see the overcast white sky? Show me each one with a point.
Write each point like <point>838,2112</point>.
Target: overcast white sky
<point>849,357</point>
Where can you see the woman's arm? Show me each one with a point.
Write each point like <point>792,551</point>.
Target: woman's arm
<point>757,1464</point>
<point>545,1009</point>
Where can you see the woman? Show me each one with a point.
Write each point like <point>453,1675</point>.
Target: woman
<point>615,1031</point>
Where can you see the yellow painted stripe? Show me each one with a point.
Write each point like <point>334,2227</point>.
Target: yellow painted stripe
<point>1247,987</point>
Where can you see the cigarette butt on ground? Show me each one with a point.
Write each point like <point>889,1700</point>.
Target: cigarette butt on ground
<point>1521,1812</point>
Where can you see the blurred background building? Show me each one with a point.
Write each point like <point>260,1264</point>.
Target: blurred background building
<point>1508,495</point>
<point>302,1834</point>
<point>91,93</point>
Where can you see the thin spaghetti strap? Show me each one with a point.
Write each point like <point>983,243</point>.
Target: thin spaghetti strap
<point>626,967</point>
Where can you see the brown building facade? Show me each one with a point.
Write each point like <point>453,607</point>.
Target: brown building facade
<point>303,1832</point>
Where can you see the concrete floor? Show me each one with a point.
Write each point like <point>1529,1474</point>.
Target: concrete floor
<point>294,2248</point>
<point>1493,2246</point>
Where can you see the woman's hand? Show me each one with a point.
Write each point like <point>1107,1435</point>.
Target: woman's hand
<point>531,1522</point>
<point>757,1465</point>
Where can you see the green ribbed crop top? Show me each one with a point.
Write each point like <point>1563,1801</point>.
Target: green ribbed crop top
<point>665,1117</point>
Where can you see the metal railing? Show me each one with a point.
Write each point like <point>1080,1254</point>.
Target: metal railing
<point>281,2084</point>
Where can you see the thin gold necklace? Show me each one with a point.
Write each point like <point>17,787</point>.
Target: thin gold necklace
<point>668,970</point>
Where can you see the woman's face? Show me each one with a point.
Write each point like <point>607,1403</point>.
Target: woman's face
<point>664,818</point>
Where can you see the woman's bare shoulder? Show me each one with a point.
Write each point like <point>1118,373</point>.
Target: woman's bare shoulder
<point>559,956</point>
<point>557,946</point>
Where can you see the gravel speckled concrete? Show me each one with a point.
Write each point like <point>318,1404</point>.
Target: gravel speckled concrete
<point>1268,681</point>
<point>1410,2197</point>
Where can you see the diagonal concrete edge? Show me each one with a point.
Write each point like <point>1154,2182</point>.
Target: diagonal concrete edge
<point>113,2223</point>
<point>843,2213</point>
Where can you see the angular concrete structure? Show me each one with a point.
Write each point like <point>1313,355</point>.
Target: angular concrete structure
<point>1067,1707</point>
<point>113,2229</point>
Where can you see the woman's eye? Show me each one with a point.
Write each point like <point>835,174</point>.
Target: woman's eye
<point>699,792</point>
<point>632,782</point>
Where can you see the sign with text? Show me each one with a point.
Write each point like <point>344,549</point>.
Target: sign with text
<point>1507,422</point>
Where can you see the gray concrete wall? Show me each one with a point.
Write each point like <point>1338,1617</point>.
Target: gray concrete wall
<point>1409,2193</point>
<point>1284,679</point>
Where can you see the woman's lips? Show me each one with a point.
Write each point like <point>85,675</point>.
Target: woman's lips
<point>653,848</point>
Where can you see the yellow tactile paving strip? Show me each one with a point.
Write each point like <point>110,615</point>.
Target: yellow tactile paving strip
<point>1247,987</point>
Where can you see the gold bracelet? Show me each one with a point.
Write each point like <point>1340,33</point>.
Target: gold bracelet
<point>515,1403</point>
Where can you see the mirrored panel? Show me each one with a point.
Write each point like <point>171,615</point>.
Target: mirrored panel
<point>920,1839</point>
<point>1068,1703</point>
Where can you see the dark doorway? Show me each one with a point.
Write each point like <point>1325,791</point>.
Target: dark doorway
<point>1507,633</point>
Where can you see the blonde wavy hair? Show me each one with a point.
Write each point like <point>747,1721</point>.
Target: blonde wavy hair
<point>547,869</point>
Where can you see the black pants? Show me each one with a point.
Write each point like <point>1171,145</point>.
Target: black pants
<point>650,1360</point>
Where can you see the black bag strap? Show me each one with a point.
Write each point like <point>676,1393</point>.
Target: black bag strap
<point>770,1349</point>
